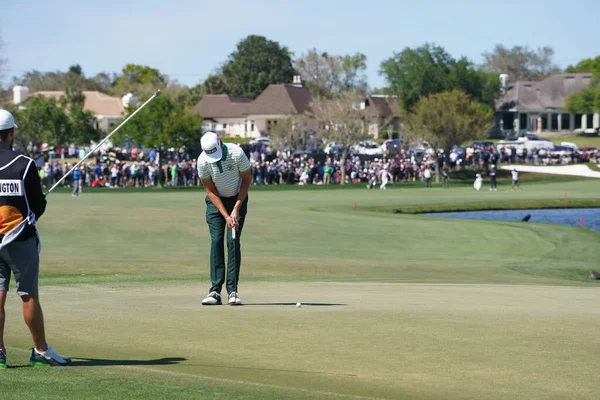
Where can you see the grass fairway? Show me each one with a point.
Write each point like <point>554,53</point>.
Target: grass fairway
<point>580,141</point>
<point>395,306</point>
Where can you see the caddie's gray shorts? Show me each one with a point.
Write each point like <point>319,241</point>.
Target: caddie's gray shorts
<point>23,259</point>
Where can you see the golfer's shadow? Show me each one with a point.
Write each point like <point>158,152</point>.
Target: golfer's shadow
<point>100,362</point>
<point>294,304</point>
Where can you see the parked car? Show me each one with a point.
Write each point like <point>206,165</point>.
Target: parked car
<point>367,147</point>
<point>260,141</point>
<point>559,151</point>
<point>570,145</point>
<point>539,144</point>
<point>334,148</point>
<point>531,136</point>
<point>482,144</point>
<point>392,146</point>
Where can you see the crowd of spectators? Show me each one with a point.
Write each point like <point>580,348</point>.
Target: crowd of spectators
<point>135,168</point>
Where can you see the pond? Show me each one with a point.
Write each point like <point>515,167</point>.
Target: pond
<point>562,216</point>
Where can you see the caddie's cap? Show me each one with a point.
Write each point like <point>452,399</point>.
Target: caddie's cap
<point>6,120</point>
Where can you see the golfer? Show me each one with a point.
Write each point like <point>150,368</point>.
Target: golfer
<point>515,179</point>
<point>385,176</point>
<point>445,174</point>
<point>427,176</point>
<point>22,203</point>
<point>224,171</point>
<point>493,178</point>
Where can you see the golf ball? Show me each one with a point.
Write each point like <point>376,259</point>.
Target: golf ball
<point>298,305</point>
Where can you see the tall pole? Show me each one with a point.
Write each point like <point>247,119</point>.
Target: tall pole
<point>103,141</point>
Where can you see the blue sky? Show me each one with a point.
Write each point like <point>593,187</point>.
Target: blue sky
<point>187,40</point>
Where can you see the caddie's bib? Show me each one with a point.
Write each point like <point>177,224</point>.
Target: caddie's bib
<point>12,222</point>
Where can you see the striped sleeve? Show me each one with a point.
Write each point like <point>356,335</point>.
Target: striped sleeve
<point>243,162</point>
<point>203,169</point>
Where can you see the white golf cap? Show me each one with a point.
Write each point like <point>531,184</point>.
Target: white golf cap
<point>6,120</point>
<point>211,147</point>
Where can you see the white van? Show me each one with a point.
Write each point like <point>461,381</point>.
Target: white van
<point>539,144</point>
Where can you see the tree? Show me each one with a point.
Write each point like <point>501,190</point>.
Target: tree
<point>144,75</point>
<point>292,133</point>
<point>46,120</point>
<point>74,78</point>
<point>4,94</point>
<point>188,97</point>
<point>73,96</point>
<point>215,84</point>
<point>520,62</point>
<point>482,86</point>
<point>76,69</point>
<point>588,65</point>
<point>339,120</point>
<point>140,80</point>
<point>327,75</point>
<point>429,69</point>
<point>447,119</point>
<point>104,82</point>
<point>83,125</point>
<point>165,123</point>
<point>588,100</point>
<point>42,121</point>
<point>584,102</point>
<point>3,60</point>
<point>257,63</point>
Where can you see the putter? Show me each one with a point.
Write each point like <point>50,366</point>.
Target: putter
<point>103,140</point>
<point>234,253</point>
<point>234,248</point>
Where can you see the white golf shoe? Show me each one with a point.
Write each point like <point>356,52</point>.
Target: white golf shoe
<point>213,299</point>
<point>234,299</point>
<point>48,358</point>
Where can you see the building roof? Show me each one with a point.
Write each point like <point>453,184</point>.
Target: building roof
<point>274,100</point>
<point>223,106</point>
<point>549,94</point>
<point>283,99</point>
<point>384,106</point>
<point>97,102</point>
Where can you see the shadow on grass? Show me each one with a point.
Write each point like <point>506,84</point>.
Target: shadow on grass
<point>294,304</point>
<point>99,362</point>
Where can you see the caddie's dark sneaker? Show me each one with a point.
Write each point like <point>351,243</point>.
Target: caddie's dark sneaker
<point>213,299</point>
<point>234,299</point>
<point>49,358</point>
<point>2,359</point>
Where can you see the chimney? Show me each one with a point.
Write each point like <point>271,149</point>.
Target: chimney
<point>503,83</point>
<point>297,81</point>
<point>20,94</point>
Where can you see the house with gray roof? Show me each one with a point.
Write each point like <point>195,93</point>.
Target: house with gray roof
<point>238,116</point>
<point>540,106</point>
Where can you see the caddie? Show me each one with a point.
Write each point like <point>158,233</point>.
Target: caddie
<point>224,170</point>
<point>22,203</point>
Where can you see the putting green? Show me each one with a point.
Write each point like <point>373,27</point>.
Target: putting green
<point>395,306</point>
<point>316,235</point>
<point>373,340</point>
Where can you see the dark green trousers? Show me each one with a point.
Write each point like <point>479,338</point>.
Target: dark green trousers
<point>217,227</point>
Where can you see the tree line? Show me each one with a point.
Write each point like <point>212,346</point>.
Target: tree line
<point>423,79</point>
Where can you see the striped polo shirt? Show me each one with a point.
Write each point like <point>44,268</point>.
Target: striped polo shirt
<point>225,174</point>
